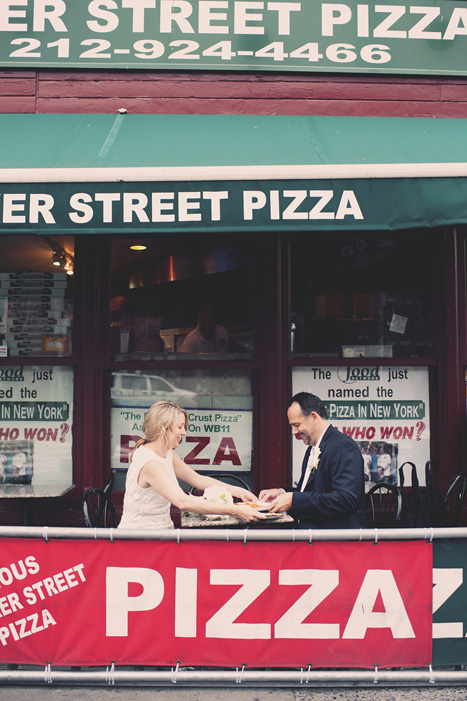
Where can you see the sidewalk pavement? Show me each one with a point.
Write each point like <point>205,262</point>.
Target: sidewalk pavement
<point>135,693</point>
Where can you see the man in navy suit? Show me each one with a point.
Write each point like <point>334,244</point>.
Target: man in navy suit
<point>331,491</point>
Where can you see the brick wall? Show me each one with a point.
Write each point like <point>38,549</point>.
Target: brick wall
<point>51,91</point>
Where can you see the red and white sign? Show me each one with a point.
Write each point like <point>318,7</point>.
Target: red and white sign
<point>216,603</point>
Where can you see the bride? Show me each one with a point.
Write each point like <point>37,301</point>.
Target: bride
<point>152,478</point>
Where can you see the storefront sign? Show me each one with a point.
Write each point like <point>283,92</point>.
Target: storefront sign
<point>385,409</point>
<point>216,439</point>
<point>36,405</point>
<point>290,35</point>
<point>216,604</point>
<point>262,205</point>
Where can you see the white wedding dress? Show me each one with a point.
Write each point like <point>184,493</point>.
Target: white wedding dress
<point>146,508</point>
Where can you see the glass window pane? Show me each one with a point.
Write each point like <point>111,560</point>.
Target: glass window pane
<point>369,295</point>
<point>191,296</point>
<point>36,418</point>
<point>220,414</point>
<point>36,294</point>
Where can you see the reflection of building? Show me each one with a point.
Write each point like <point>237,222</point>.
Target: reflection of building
<point>248,212</point>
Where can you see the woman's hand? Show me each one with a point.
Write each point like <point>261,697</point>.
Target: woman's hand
<point>247,514</point>
<point>243,494</point>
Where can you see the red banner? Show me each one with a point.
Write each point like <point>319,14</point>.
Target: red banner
<point>216,603</point>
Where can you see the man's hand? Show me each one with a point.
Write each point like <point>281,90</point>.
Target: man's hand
<point>270,494</point>
<point>283,502</point>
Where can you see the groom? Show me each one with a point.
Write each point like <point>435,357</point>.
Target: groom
<point>330,492</point>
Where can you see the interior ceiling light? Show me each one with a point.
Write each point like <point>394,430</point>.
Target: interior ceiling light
<point>138,247</point>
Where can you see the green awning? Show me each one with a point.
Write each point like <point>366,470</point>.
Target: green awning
<point>141,173</point>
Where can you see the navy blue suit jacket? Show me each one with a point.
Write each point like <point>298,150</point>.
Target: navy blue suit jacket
<point>334,497</point>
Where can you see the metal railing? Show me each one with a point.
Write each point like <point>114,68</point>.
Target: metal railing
<point>189,676</point>
<point>234,534</point>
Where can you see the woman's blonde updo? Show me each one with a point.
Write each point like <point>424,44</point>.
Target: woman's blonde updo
<point>159,421</point>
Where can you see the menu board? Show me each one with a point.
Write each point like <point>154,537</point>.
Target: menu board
<point>35,314</point>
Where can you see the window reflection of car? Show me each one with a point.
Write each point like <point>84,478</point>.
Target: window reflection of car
<point>136,390</point>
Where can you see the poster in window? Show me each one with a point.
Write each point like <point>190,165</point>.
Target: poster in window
<point>219,435</point>
<point>384,409</point>
<point>36,419</point>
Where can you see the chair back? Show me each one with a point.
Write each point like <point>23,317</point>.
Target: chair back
<point>437,509</point>
<point>98,510</point>
<point>110,483</point>
<point>383,504</point>
<point>454,498</point>
<point>227,478</point>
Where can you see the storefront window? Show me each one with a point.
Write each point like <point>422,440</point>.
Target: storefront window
<point>220,413</point>
<point>36,291</point>
<point>36,419</point>
<point>190,296</point>
<point>368,295</point>
<point>385,409</point>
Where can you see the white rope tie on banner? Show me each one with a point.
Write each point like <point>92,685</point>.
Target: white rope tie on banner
<point>95,534</point>
<point>375,680</point>
<point>432,676</point>
<point>111,535</point>
<point>48,674</point>
<point>109,674</point>
<point>239,675</point>
<point>376,536</point>
<point>173,678</point>
<point>361,535</point>
<point>310,537</point>
<point>178,536</point>
<point>245,536</point>
<point>45,534</point>
<point>308,674</point>
<point>431,533</point>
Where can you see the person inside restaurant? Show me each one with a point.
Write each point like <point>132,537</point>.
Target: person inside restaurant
<point>155,468</point>
<point>207,337</point>
<point>330,492</point>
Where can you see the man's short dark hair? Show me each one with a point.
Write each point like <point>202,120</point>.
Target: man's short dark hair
<point>308,403</point>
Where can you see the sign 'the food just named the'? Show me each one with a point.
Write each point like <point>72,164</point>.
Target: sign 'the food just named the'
<point>172,207</point>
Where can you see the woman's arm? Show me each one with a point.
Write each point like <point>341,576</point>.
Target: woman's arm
<point>185,473</point>
<point>154,474</point>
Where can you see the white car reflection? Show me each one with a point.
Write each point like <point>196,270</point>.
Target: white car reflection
<point>130,389</point>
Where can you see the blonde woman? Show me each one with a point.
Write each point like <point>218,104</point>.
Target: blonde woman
<point>152,479</point>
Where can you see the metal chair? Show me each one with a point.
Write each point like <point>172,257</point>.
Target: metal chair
<point>110,483</point>
<point>383,504</point>
<point>454,498</point>
<point>229,478</point>
<point>98,510</point>
<point>436,505</point>
<point>225,477</point>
